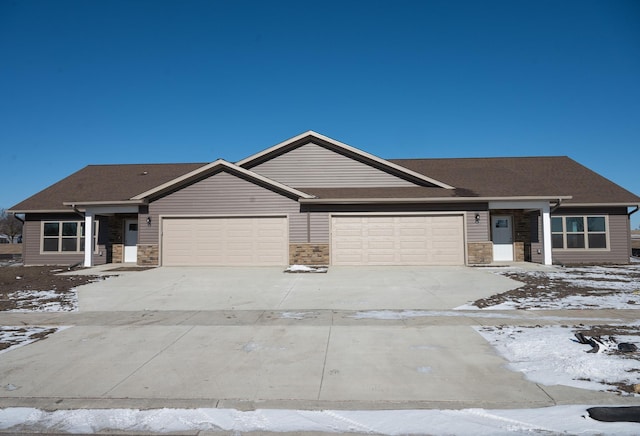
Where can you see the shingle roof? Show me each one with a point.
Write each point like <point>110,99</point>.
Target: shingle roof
<point>104,183</point>
<point>523,176</point>
<point>472,177</point>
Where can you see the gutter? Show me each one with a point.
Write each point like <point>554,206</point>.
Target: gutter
<point>18,218</point>
<point>425,200</point>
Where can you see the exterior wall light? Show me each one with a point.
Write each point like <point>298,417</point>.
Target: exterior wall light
<point>148,220</point>
<point>477,218</point>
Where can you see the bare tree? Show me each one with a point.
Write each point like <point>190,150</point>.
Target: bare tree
<point>10,225</point>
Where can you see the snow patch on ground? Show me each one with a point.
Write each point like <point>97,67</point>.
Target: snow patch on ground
<point>45,301</point>
<point>18,336</point>
<point>552,356</point>
<point>572,419</point>
<point>593,287</point>
<point>306,269</point>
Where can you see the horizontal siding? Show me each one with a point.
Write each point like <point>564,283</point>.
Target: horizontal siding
<point>31,240</point>
<point>320,228</point>
<point>219,195</point>
<point>619,239</point>
<point>314,166</point>
<point>478,232</point>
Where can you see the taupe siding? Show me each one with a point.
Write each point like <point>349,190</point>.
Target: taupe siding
<point>320,228</point>
<point>32,240</point>
<point>619,237</point>
<point>223,194</point>
<point>312,165</point>
<point>478,232</point>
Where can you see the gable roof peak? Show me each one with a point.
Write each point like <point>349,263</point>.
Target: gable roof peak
<point>213,166</point>
<point>299,140</point>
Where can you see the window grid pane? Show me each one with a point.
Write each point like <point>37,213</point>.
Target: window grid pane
<point>575,224</point>
<point>51,229</point>
<point>69,229</point>
<point>595,224</point>
<point>575,240</point>
<point>597,240</point>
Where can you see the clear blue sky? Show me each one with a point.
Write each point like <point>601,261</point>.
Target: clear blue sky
<point>91,82</point>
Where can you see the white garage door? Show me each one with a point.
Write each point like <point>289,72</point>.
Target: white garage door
<point>397,240</point>
<point>225,241</point>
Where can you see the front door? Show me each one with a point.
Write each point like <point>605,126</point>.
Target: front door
<point>131,240</point>
<point>502,234</point>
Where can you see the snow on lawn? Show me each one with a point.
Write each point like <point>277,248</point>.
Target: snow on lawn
<point>594,287</point>
<point>44,301</point>
<point>551,355</point>
<point>572,419</point>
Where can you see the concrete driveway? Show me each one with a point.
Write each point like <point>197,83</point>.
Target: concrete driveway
<point>256,337</point>
<point>364,288</point>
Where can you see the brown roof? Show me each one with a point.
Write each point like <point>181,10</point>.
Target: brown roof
<point>472,177</point>
<point>104,183</point>
<point>523,176</point>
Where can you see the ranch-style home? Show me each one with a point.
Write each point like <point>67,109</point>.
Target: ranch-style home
<point>316,201</point>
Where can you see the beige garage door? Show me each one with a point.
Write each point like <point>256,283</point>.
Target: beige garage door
<point>397,240</point>
<point>225,241</point>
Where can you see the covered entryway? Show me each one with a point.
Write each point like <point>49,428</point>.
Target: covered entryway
<point>225,241</point>
<point>397,240</point>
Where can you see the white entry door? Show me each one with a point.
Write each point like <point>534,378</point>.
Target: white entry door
<point>502,234</point>
<point>131,240</point>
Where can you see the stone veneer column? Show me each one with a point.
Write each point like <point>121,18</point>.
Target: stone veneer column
<point>148,255</point>
<point>480,253</point>
<point>117,255</point>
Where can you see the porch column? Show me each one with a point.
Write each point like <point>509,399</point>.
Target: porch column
<point>88,238</point>
<point>546,234</point>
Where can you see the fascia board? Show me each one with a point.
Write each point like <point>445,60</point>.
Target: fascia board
<point>349,148</point>
<point>104,203</point>
<point>630,204</point>
<point>39,211</point>
<point>213,166</point>
<point>429,200</point>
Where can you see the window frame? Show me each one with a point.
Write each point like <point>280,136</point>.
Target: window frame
<point>60,237</point>
<point>585,233</point>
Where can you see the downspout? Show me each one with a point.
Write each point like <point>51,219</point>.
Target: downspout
<point>558,204</point>
<point>633,211</point>
<point>18,218</point>
<point>76,210</point>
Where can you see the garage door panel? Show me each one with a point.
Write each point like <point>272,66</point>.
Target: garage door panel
<point>225,241</point>
<point>397,240</point>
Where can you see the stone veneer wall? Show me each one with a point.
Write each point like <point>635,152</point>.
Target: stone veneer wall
<point>117,255</point>
<point>480,253</point>
<point>518,248</point>
<point>309,254</point>
<point>148,254</point>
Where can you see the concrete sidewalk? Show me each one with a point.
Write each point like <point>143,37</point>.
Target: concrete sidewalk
<point>231,338</point>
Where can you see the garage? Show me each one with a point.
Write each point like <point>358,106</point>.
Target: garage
<point>397,240</point>
<point>225,241</point>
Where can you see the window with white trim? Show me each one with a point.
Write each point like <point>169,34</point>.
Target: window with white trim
<point>579,232</point>
<point>66,236</point>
